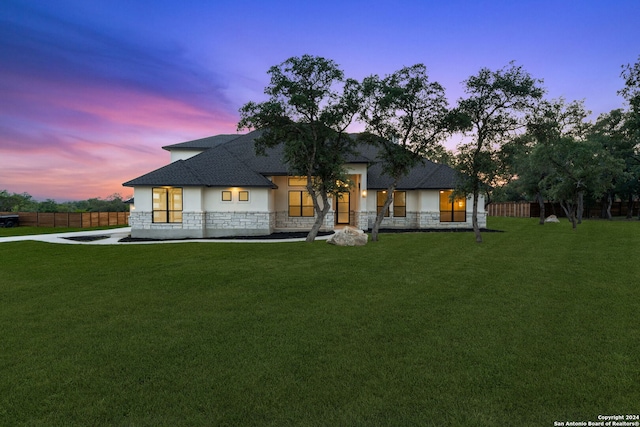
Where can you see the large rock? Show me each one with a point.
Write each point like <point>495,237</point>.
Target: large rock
<point>552,218</point>
<point>349,236</point>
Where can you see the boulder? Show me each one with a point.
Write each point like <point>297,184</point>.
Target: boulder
<point>552,218</point>
<point>348,236</point>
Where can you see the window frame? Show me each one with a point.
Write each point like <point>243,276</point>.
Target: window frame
<point>299,211</point>
<point>226,196</point>
<point>399,211</point>
<point>399,208</point>
<point>453,212</point>
<point>167,213</point>
<point>240,195</point>
<point>379,205</point>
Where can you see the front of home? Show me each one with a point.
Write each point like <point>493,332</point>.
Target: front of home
<point>219,187</point>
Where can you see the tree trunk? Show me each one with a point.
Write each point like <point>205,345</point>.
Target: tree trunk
<point>322,213</point>
<point>474,216</point>
<point>603,206</point>
<point>380,215</point>
<point>630,206</point>
<point>580,207</point>
<point>609,203</point>
<point>569,209</point>
<point>541,204</point>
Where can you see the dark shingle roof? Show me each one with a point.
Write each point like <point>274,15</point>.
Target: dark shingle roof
<point>219,167</point>
<point>231,161</point>
<point>202,143</point>
<point>427,176</point>
<point>176,174</point>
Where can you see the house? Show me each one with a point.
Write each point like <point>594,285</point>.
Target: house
<point>218,186</point>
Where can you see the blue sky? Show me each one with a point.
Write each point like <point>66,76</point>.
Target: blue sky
<point>91,91</point>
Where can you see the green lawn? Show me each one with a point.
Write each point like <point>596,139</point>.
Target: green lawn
<point>535,325</point>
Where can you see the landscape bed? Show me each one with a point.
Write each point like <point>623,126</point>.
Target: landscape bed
<point>535,325</point>
<point>303,234</point>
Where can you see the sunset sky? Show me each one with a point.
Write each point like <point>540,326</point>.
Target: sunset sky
<point>91,90</point>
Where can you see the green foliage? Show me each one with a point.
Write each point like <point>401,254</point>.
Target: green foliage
<point>493,109</point>
<point>631,90</point>
<point>577,167</point>
<point>17,202</point>
<point>542,171</point>
<point>404,114</point>
<point>310,107</point>
<point>615,134</point>
<point>24,203</point>
<point>189,334</point>
<point>564,158</point>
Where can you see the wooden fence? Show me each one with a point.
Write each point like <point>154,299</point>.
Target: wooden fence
<point>532,210</point>
<point>71,219</point>
<point>515,209</point>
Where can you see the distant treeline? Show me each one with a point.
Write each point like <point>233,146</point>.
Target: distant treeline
<point>24,202</point>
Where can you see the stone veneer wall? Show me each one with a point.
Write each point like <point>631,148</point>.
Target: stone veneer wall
<point>359,219</point>
<point>409,221</point>
<point>142,225</point>
<point>203,224</point>
<point>432,220</point>
<point>362,220</point>
<point>416,220</point>
<point>220,224</point>
<point>140,220</point>
<point>284,222</point>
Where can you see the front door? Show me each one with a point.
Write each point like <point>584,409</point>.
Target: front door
<point>342,208</point>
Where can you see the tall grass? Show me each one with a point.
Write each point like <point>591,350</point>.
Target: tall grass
<point>534,325</point>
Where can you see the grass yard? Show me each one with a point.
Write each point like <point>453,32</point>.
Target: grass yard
<point>535,325</point>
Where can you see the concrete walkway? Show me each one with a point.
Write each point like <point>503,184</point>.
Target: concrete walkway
<point>114,235</point>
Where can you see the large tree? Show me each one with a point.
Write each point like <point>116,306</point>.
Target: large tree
<point>631,90</point>
<point>547,122</point>
<point>404,114</point>
<point>578,166</point>
<point>310,106</point>
<point>494,107</point>
<point>631,93</point>
<point>17,202</point>
<point>612,132</point>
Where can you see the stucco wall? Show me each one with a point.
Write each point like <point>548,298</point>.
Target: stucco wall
<point>259,200</point>
<point>184,154</point>
<point>423,211</point>
<point>266,211</point>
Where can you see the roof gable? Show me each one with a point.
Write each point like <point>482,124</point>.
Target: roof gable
<point>202,143</point>
<point>174,174</point>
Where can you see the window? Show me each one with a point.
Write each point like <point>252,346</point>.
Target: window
<point>300,203</point>
<point>381,197</point>
<point>167,204</point>
<point>452,210</point>
<point>243,196</point>
<point>399,203</point>
<point>226,196</point>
